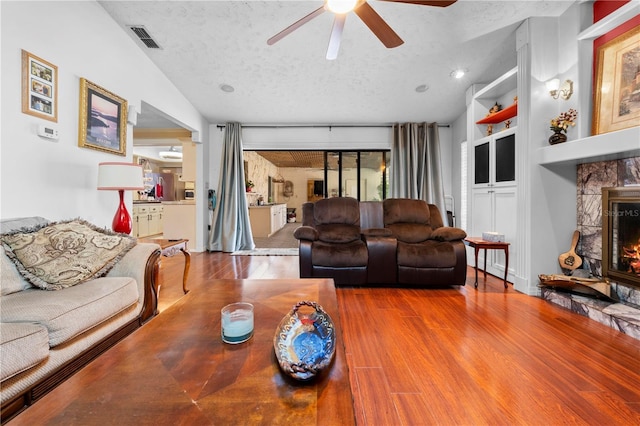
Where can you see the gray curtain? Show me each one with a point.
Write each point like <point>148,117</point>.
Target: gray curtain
<point>416,169</point>
<point>230,228</point>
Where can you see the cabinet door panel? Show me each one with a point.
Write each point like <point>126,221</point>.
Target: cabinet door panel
<point>506,159</point>
<point>505,223</point>
<point>481,217</point>
<point>481,155</point>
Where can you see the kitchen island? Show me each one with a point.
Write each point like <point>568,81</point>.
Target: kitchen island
<point>267,219</point>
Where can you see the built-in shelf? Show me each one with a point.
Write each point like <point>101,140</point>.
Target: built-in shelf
<point>500,86</point>
<point>500,116</point>
<point>608,146</point>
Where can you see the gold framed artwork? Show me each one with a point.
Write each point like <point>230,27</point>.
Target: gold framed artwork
<point>617,85</point>
<point>103,119</point>
<point>39,87</point>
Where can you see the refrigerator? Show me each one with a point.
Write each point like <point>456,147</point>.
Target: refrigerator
<point>167,187</point>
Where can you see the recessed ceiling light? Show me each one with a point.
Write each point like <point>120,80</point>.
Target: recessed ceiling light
<point>422,88</point>
<point>227,88</point>
<point>459,73</point>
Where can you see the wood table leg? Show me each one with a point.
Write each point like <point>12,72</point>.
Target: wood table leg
<point>187,264</point>
<point>485,265</point>
<point>506,265</point>
<point>476,264</point>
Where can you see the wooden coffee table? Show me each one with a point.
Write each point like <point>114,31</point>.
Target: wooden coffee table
<point>176,370</point>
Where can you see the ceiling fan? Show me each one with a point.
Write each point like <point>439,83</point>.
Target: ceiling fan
<point>369,16</point>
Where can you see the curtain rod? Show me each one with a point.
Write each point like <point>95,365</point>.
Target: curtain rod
<point>318,126</point>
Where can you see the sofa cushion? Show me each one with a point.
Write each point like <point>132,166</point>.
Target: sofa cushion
<point>338,233</point>
<point>10,279</point>
<point>339,255</point>
<point>59,255</point>
<point>21,223</point>
<point>410,232</point>
<point>429,254</point>
<point>73,310</point>
<point>22,346</point>
<point>408,219</point>
<point>405,210</point>
<point>344,210</point>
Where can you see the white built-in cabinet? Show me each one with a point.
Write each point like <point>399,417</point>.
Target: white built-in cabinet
<point>492,162</point>
<point>267,220</point>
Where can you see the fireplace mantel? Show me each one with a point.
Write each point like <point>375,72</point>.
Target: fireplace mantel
<point>608,146</point>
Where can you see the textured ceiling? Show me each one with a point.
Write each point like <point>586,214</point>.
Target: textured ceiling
<point>206,44</point>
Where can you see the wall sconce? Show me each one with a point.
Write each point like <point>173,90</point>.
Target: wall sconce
<point>556,91</point>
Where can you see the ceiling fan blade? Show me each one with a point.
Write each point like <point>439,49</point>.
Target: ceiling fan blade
<point>378,26</point>
<point>437,3</point>
<point>336,36</point>
<point>291,28</point>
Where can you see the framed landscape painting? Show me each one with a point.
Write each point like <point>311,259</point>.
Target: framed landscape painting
<point>103,119</point>
<point>39,87</point>
<point>617,84</point>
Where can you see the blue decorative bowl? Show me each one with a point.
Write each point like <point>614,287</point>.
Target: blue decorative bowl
<point>305,342</point>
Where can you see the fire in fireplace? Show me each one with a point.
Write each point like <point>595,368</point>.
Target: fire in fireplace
<point>621,234</point>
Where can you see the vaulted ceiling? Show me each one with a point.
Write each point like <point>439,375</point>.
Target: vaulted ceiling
<point>206,46</point>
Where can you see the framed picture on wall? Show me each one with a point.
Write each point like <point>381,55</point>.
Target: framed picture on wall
<point>103,119</point>
<point>39,87</point>
<point>617,84</point>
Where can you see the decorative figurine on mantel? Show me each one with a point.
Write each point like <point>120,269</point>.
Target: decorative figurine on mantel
<point>489,129</point>
<point>497,107</point>
<point>507,124</point>
<point>560,124</point>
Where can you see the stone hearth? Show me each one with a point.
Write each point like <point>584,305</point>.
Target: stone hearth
<point>623,316</point>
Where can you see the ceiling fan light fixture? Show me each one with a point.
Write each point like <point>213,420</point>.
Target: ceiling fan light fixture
<point>341,6</point>
<point>172,154</point>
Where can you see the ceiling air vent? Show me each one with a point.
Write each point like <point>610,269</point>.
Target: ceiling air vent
<point>144,36</point>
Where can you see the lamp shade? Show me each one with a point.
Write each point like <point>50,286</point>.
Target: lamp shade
<point>117,176</point>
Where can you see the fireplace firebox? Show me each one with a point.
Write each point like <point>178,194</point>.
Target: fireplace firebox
<point>621,234</point>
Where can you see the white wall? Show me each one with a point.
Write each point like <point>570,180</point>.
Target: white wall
<point>58,179</point>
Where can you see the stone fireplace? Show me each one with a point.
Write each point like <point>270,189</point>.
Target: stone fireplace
<point>621,235</point>
<point>594,183</point>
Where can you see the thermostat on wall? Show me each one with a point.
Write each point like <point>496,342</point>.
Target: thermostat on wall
<point>48,131</point>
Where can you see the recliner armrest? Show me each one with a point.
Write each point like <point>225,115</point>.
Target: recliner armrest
<point>306,233</point>
<point>448,233</point>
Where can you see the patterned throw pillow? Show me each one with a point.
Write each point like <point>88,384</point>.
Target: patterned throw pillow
<point>63,254</point>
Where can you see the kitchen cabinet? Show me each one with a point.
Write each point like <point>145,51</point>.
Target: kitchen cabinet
<point>188,162</point>
<point>492,170</point>
<point>267,220</point>
<point>147,220</point>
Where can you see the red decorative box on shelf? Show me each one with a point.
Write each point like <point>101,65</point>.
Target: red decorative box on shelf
<point>500,116</point>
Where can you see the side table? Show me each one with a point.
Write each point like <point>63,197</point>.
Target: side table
<point>479,243</point>
<point>170,248</point>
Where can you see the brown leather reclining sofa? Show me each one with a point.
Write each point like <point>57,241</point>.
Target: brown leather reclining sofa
<point>397,241</point>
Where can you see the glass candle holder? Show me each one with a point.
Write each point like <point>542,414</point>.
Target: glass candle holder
<point>236,322</point>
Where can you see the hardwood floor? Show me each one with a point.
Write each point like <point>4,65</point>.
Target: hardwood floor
<point>460,356</point>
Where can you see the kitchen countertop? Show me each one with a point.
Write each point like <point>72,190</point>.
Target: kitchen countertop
<point>179,203</point>
<point>266,205</point>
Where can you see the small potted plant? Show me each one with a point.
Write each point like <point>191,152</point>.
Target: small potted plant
<point>248,185</point>
<point>560,124</point>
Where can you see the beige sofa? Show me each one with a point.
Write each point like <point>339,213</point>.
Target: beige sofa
<point>45,336</point>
